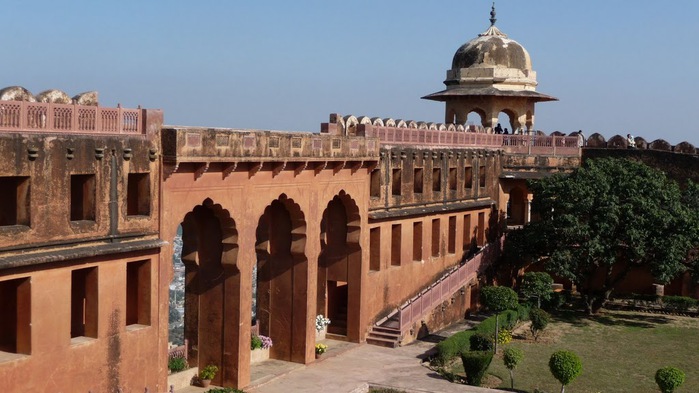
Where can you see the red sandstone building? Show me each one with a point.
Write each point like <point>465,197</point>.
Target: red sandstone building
<point>383,225</point>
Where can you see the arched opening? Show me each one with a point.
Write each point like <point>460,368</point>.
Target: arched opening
<point>475,120</point>
<point>176,302</point>
<point>507,120</point>
<point>211,283</point>
<point>339,266</point>
<point>516,206</point>
<point>282,276</point>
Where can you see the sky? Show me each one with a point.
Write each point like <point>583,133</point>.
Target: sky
<point>617,66</point>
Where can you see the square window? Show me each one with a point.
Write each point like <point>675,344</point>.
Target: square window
<point>82,197</point>
<point>418,175</point>
<point>138,293</point>
<point>83,303</point>
<point>138,194</point>
<point>14,200</point>
<point>375,249</point>
<point>15,316</point>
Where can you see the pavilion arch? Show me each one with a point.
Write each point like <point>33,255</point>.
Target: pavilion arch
<point>480,112</point>
<point>282,279</point>
<point>212,277</point>
<point>513,119</point>
<point>339,266</point>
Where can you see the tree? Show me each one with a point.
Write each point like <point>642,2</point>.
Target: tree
<point>607,218</point>
<point>498,299</point>
<point>565,367</point>
<point>540,319</point>
<point>669,379</point>
<point>512,357</point>
<point>536,285</point>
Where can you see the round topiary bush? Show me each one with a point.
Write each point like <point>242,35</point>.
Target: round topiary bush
<point>565,366</point>
<point>512,357</point>
<point>669,379</point>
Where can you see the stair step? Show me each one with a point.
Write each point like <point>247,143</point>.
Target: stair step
<point>385,329</point>
<point>382,342</point>
<point>387,336</point>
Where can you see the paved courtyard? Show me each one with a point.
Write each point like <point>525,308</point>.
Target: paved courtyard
<point>350,368</point>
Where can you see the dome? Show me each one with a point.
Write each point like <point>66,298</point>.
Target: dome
<point>492,49</point>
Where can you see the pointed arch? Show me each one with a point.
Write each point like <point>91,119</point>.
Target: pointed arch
<point>339,266</point>
<point>282,276</point>
<point>210,257</point>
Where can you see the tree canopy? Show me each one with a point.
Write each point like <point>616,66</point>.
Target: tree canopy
<point>608,217</point>
<point>536,285</point>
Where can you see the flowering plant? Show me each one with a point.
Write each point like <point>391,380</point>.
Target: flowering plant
<point>266,342</point>
<point>321,349</point>
<point>321,322</point>
<point>260,341</point>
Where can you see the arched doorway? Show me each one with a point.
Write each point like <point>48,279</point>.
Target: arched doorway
<point>212,282</point>
<point>339,266</point>
<point>282,277</point>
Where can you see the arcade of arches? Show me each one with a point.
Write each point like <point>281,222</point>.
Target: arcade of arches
<point>226,235</point>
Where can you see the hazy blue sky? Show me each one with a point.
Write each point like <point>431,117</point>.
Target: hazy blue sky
<point>616,66</point>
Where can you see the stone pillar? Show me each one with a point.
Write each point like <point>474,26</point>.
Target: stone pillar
<point>528,218</point>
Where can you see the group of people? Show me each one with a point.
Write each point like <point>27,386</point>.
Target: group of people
<point>499,130</point>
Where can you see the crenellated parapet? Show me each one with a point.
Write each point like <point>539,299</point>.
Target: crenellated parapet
<point>597,140</point>
<point>54,111</point>
<point>351,125</point>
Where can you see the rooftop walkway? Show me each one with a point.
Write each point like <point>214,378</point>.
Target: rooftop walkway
<point>351,368</point>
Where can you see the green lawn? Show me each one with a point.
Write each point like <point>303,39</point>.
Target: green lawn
<point>620,352</point>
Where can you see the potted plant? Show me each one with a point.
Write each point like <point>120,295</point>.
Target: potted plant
<point>320,349</point>
<point>206,374</point>
<point>321,326</point>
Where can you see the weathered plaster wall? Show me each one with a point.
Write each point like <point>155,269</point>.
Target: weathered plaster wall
<point>118,358</point>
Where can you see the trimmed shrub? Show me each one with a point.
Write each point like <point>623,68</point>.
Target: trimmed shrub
<point>512,357</point>
<point>450,348</point>
<point>669,379</point>
<point>453,346</point>
<point>499,299</point>
<point>678,303</point>
<point>177,364</point>
<point>540,319</point>
<point>476,363</point>
<point>565,366</point>
<point>481,342</point>
<point>224,390</point>
<point>523,311</point>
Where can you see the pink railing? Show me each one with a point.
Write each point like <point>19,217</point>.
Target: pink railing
<point>46,117</point>
<point>413,136</point>
<point>426,301</point>
<point>541,145</point>
<point>178,352</point>
<point>521,144</point>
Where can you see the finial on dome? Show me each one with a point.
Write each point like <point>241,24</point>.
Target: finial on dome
<point>492,15</point>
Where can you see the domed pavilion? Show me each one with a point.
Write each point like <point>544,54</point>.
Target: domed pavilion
<point>491,74</point>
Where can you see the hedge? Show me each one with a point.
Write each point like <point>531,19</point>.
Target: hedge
<point>452,347</point>
<point>476,363</point>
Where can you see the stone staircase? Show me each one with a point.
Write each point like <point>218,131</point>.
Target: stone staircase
<point>384,336</point>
